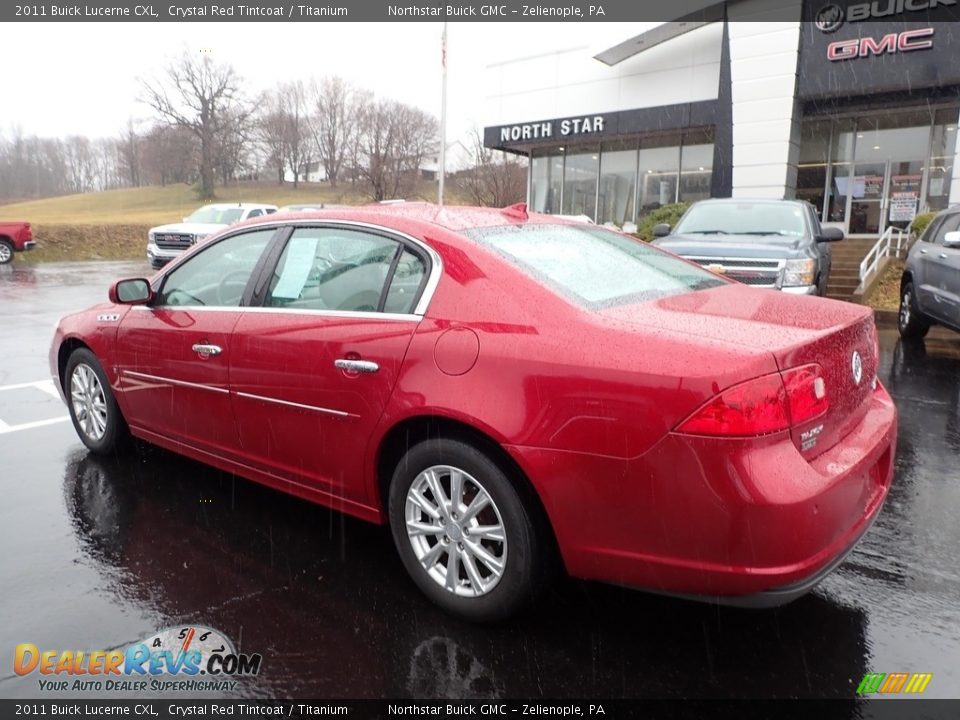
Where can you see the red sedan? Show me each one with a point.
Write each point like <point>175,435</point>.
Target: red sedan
<point>510,393</point>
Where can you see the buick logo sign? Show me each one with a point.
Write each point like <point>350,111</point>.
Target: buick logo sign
<point>856,367</point>
<point>829,18</point>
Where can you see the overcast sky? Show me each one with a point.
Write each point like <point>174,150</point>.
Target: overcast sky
<point>84,78</point>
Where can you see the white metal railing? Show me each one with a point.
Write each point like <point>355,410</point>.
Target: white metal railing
<point>893,237</point>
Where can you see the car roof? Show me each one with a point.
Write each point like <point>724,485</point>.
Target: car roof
<point>737,200</point>
<point>449,217</point>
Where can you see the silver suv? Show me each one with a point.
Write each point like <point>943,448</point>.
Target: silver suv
<point>930,286</point>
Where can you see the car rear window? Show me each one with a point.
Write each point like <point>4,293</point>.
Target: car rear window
<point>593,267</point>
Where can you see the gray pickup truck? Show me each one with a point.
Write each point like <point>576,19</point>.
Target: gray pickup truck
<point>775,244</point>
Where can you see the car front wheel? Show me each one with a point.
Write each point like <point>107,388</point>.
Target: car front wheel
<point>93,408</point>
<point>910,321</point>
<point>463,532</point>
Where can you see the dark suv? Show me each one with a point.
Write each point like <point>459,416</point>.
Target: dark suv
<point>775,244</point>
<point>930,285</point>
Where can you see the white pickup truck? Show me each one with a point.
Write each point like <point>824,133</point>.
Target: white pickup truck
<point>165,242</point>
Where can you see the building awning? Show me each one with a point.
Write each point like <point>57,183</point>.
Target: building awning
<point>696,14</point>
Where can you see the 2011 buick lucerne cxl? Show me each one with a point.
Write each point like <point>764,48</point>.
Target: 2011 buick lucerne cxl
<point>511,393</point>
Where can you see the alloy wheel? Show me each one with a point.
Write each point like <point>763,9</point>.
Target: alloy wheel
<point>5,253</point>
<point>905,301</point>
<point>456,531</point>
<point>89,402</point>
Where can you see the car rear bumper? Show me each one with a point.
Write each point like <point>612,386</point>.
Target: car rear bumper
<point>739,521</point>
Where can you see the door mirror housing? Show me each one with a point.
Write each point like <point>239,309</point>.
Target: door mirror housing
<point>132,291</point>
<point>830,234</point>
<point>952,239</point>
<point>661,230</point>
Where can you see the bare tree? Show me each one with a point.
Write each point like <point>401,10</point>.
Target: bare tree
<point>495,179</point>
<point>334,123</point>
<point>272,132</point>
<point>169,155</point>
<point>394,139</point>
<point>197,94</point>
<point>129,150</point>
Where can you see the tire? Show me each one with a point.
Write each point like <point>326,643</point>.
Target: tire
<point>93,409</point>
<point>6,252</point>
<point>474,593</point>
<point>911,323</point>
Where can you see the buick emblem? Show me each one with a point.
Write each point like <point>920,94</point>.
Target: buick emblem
<point>829,18</point>
<point>856,367</point>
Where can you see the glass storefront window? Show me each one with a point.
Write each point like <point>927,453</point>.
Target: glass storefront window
<point>942,151</point>
<point>580,173</point>
<point>814,156</point>
<point>841,155</point>
<point>618,179</point>
<point>659,165</point>
<point>696,170</point>
<point>546,178</point>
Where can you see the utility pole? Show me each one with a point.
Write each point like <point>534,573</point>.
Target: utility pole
<point>443,120</point>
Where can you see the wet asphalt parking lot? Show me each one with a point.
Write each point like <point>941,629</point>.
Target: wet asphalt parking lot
<point>95,554</point>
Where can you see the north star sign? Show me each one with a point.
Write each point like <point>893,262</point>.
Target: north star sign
<point>540,130</point>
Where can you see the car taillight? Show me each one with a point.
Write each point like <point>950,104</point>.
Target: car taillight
<point>767,404</point>
<point>27,232</point>
<point>806,393</point>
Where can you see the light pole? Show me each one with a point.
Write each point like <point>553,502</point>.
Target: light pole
<point>443,119</point>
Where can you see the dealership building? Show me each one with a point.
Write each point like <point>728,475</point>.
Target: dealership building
<point>852,106</point>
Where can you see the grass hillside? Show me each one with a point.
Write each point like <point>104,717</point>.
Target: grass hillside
<point>155,205</point>
<point>113,225</point>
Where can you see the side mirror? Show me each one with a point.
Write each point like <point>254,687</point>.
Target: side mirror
<point>133,291</point>
<point>661,230</point>
<point>952,239</point>
<point>830,234</point>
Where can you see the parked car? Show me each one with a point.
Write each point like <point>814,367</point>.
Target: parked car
<point>504,391</point>
<point>764,243</point>
<point>930,284</point>
<point>165,242</point>
<point>15,236</point>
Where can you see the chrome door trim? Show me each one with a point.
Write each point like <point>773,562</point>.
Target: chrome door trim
<point>287,403</point>
<point>357,314</point>
<point>171,381</point>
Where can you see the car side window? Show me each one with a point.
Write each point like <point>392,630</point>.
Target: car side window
<point>332,269</point>
<point>405,285</point>
<point>949,224</point>
<point>255,213</point>
<point>217,275</point>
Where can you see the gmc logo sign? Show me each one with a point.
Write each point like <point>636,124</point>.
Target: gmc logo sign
<point>906,41</point>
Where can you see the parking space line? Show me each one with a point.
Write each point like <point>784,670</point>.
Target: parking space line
<point>4,428</point>
<point>45,386</point>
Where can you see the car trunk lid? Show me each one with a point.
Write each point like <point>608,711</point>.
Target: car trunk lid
<point>840,337</point>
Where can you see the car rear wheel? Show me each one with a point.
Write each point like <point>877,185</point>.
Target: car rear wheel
<point>911,322</point>
<point>464,533</point>
<point>93,408</point>
<point>6,252</point>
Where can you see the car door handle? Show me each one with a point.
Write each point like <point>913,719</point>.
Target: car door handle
<point>357,366</point>
<point>942,256</point>
<point>923,252</point>
<point>206,351</point>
